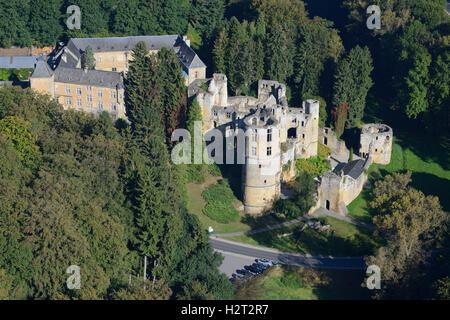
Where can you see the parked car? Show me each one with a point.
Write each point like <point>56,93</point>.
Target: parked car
<point>254,268</point>
<point>263,266</point>
<point>238,275</point>
<point>245,272</point>
<point>264,261</point>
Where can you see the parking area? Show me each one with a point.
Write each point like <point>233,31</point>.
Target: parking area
<point>233,261</point>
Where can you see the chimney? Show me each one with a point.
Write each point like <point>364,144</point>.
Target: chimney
<point>187,41</point>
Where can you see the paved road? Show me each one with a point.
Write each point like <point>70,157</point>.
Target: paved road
<point>319,262</point>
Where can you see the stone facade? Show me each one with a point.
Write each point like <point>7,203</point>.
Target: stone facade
<point>102,89</point>
<point>276,134</point>
<point>338,188</point>
<point>376,143</point>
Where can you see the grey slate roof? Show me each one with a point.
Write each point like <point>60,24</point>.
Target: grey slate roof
<point>124,43</point>
<point>353,169</point>
<point>187,56</point>
<point>18,62</point>
<point>107,79</point>
<point>42,69</point>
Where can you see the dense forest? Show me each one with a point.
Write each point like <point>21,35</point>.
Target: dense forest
<point>326,52</point>
<point>88,192</point>
<point>104,195</point>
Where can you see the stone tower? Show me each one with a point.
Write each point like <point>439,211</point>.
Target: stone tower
<point>376,142</point>
<point>262,169</point>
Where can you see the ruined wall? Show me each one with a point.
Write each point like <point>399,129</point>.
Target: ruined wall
<point>376,142</point>
<point>328,138</point>
<point>262,169</point>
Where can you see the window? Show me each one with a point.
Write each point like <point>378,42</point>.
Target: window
<point>228,114</point>
<point>253,151</point>
<point>100,105</point>
<point>89,88</point>
<point>56,88</point>
<point>68,101</point>
<point>79,103</point>
<point>303,123</point>
<point>294,120</point>
<point>254,136</point>
<point>99,59</point>
<point>215,113</point>
<point>114,69</point>
<point>89,98</point>
<point>78,91</point>
<point>112,94</point>
<point>67,90</point>
<point>269,151</point>
<point>196,75</point>
<point>112,59</point>
<point>113,106</point>
<point>99,93</point>
<point>269,135</point>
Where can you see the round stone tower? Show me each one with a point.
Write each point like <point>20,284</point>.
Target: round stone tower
<point>376,142</point>
<point>262,169</point>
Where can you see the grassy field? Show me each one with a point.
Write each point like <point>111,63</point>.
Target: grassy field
<point>346,240</point>
<point>297,283</point>
<point>430,173</point>
<point>244,222</point>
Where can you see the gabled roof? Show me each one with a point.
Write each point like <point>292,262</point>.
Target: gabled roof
<point>124,43</point>
<point>18,62</point>
<point>107,79</point>
<point>42,69</point>
<point>353,169</point>
<point>187,56</point>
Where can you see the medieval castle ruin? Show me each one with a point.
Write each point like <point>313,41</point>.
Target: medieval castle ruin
<point>276,135</point>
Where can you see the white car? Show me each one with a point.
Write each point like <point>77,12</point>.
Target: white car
<point>264,261</point>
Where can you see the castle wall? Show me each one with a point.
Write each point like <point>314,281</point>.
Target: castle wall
<point>376,142</point>
<point>328,138</point>
<point>42,85</point>
<point>262,168</point>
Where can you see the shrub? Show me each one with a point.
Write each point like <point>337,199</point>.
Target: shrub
<point>314,166</point>
<point>323,151</point>
<point>287,208</point>
<point>219,202</point>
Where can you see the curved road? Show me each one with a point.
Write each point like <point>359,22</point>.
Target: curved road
<point>319,262</point>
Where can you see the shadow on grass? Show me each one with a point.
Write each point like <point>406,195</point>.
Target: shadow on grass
<point>431,185</point>
<point>343,285</point>
<point>315,242</point>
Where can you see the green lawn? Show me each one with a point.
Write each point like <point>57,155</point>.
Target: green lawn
<point>347,239</point>
<point>297,283</point>
<point>430,173</point>
<point>197,203</point>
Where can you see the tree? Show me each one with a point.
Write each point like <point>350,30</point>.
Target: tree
<point>305,192</point>
<point>207,16</point>
<point>360,62</point>
<point>339,115</point>
<point>174,15</point>
<point>280,52</point>
<point>15,33</point>
<point>88,59</point>
<point>410,221</point>
<point>220,52</point>
<point>44,25</point>
<point>352,83</point>
<point>417,80</point>
<point>18,133</point>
